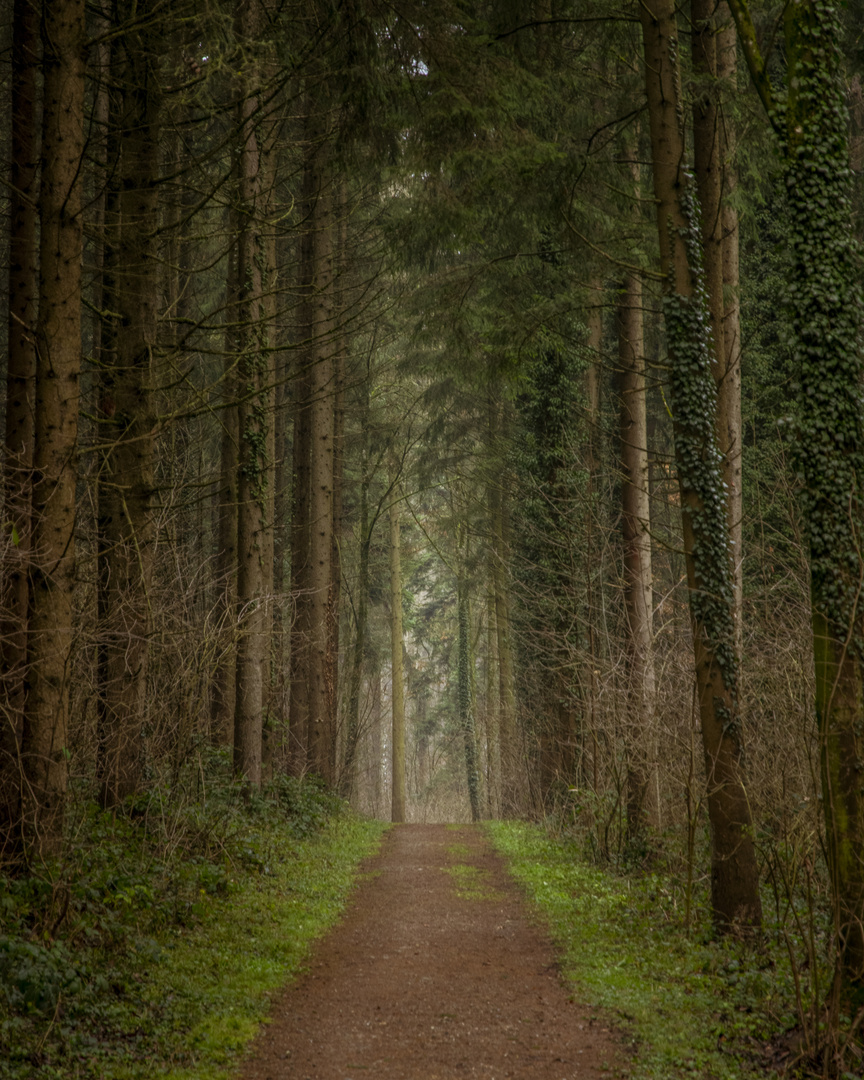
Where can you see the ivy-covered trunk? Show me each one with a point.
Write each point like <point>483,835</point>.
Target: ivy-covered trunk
<point>825,297</point>
<point>714,75</point>
<point>825,305</point>
<point>734,872</point>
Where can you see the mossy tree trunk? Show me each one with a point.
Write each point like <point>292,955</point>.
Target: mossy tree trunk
<point>825,301</point>
<point>734,871</point>
<point>714,66</point>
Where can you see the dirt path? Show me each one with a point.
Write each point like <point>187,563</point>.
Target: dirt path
<point>435,972</point>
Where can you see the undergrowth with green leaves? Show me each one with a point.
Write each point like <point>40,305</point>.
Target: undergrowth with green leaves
<point>151,950</point>
<point>693,1006</point>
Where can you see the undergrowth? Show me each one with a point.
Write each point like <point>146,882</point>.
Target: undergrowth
<point>150,950</point>
<point>691,1005</point>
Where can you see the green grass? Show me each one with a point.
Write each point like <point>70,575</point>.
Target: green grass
<point>675,995</point>
<point>220,976</point>
<point>166,967</point>
<point>471,882</point>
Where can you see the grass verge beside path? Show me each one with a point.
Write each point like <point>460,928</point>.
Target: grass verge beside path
<point>219,978</point>
<point>175,930</point>
<point>692,1007</point>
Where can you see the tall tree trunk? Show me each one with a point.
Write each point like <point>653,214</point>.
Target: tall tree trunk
<point>298,717</point>
<point>734,872</point>
<point>52,575</point>
<point>592,460</point>
<point>642,787</point>
<point>255,415</point>
<point>335,589</point>
<point>510,790</point>
<point>280,553</point>
<point>224,693</point>
<point>397,812</point>
<point>322,721</point>
<point>493,744</point>
<point>466,713</point>
<point>313,726</point>
<point>729,423</point>
<point>361,608</point>
<point>711,148</point>
<point>20,375</point>
<point>126,474</point>
<point>825,304</point>
<point>270,284</point>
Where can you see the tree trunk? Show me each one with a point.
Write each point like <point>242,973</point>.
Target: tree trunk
<point>335,589</point>
<point>510,789</point>
<point>825,304</point>
<point>642,787</point>
<point>313,668</point>
<point>20,375</point>
<point>298,716</point>
<point>225,681</point>
<point>397,812</point>
<point>361,608</point>
<point>126,422</point>
<point>729,423</point>
<point>52,576</point>
<point>493,744</point>
<point>592,560</point>
<point>711,148</point>
<point>734,872</point>
<point>466,714</point>
<point>255,415</point>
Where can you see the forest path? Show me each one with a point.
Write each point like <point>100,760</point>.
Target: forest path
<point>435,972</point>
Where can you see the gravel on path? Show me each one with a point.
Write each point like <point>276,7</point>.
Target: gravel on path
<point>436,972</point>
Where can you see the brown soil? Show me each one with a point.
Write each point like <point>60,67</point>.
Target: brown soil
<point>435,972</point>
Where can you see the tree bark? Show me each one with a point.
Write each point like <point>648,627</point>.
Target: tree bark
<point>314,470</point>
<point>642,781</point>
<point>298,717</point>
<point>825,306</point>
<point>499,512</point>
<point>255,414</point>
<point>734,872</point>
<point>493,744</point>
<point>466,714</point>
<point>712,145</point>
<point>729,423</point>
<point>20,376</point>
<point>397,810</point>
<point>126,422</point>
<point>52,574</point>
<point>361,608</point>
<point>592,461</point>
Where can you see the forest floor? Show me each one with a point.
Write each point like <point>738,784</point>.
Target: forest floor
<point>436,971</point>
